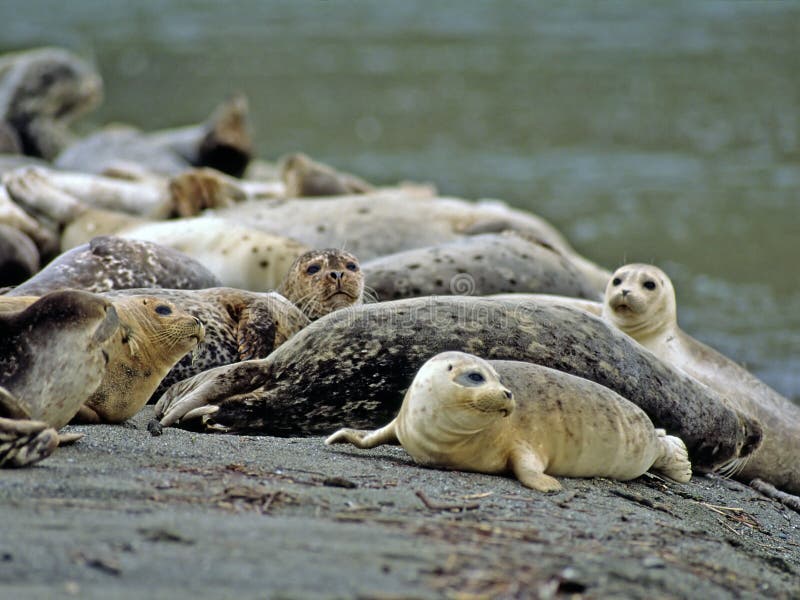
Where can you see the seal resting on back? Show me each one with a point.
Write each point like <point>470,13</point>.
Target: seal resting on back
<point>351,368</point>
<point>461,412</point>
<point>108,263</point>
<point>640,301</point>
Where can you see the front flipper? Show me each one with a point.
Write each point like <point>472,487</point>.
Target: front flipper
<point>529,469</point>
<point>265,325</point>
<point>25,442</point>
<point>362,438</point>
<point>185,399</point>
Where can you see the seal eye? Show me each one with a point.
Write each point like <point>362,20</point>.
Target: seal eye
<point>311,269</point>
<point>163,309</point>
<point>650,285</point>
<point>351,266</point>
<point>616,281</point>
<point>476,377</point>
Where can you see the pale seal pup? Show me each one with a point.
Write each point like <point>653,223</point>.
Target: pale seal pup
<point>153,335</point>
<point>108,263</point>
<point>389,221</point>
<point>321,281</point>
<point>351,368</point>
<point>479,265</point>
<point>41,92</point>
<point>461,412</point>
<point>302,176</point>
<point>53,355</point>
<point>223,142</point>
<point>640,301</point>
<point>239,325</point>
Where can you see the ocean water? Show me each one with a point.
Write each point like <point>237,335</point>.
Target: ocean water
<point>661,132</point>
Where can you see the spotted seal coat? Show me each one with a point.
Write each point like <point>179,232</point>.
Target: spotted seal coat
<point>461,412</point>
<point>351,368</point>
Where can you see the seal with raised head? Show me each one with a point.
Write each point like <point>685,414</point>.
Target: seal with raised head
<point>53,355</point>
<point>479,265</point>
<point>461,412</point>
<point>239,325</point>
<point>321,281</point>
<point>109,263</point>
<point>351,368</point>
<point>640,301</point>
<point>153,335</point>
<point>41,92</point>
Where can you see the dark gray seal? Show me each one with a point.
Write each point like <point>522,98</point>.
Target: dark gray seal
<point>478,266</point>
<point>109,263</point>
<point>53,355</point>
<point>351,368</point>
<point>239,325</point>
<point>41,92</point>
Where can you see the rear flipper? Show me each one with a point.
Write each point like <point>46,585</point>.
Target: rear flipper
<point>673,459</point>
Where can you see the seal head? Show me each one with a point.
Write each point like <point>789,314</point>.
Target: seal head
<point>640,301</point>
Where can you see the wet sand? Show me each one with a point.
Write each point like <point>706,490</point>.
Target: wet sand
<point>122,514</point>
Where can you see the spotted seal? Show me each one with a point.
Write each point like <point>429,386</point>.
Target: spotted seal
<point>53,355</point>
<point>302,176</point>
<point>462,412</point>
<point>321,281</point>
<point>19,256</point>
<point>239,325</point>
<point>479,265</point>
<point>41,92</point>
<point>351,367</point>
<point>109,262</point>
<point>640,301</point>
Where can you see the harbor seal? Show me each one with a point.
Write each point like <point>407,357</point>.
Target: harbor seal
<point>302,176</point>
<point>640,301</point>
<point>41,92</point>
<point>351,368</point>
<point>461,412</point>
<point>153,335</point>
<point>321,281</point>
<point>389,221</point>
<point>24,442</point>
<point>19,256</point>
<point>53,355</point>
<point>478,265</point>
<point>109,262</point>
<point>239,325</point>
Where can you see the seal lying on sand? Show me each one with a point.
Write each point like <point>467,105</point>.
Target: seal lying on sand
<point>152,337</point>
<point>239,325</point>
<point>53,355</point>
<point>350,368</point>
<point>385,222</point>
<point>321,281</point>
<point>640,301</point>
<point>41,92</point>
<point>223,143</point>
<point>304,177</point>
<point>108,263</point>
<point>459,413</point>
<point>476,266</point>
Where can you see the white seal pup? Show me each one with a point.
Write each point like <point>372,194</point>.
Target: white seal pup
<point>640,301</point>
<point>460,414</point>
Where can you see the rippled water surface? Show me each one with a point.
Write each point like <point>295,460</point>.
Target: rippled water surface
<point>666,133</point>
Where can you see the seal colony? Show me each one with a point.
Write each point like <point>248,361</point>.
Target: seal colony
<point>460,412</point>
<point>319,359</point>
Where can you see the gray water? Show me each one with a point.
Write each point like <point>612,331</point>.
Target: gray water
<point>661,132</point>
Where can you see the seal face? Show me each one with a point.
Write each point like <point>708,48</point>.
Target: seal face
<point>458,414</point>
<point>640,301</point>
<point>154,335</point>
<point>321,281</point>
<point>53,354</point>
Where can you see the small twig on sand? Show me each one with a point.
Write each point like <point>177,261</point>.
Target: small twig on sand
<point>644,501</point>
<point>770,491</point>
<point>431,505</point>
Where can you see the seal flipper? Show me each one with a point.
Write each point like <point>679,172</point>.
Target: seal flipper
<point>10,407</point>
<point>364,438</point>
<point>255,334</point>
<point>529,469</point>
<point>673,460</point>
<point>25,442</point>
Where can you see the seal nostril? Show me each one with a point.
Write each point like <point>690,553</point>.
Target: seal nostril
<point>624,293</point>
<point>508,394</point>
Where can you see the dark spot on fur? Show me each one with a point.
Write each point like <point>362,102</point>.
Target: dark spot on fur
<point>320,228</point>
<point>414,266</point>
<point>512,281</point>
<point>363,210</point>
<point>439,283</point>
<point>478,257</point>
<point>263,264</point>
<point>254,249</point>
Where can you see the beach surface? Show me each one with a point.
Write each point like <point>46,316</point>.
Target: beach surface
<point>123,514</point>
